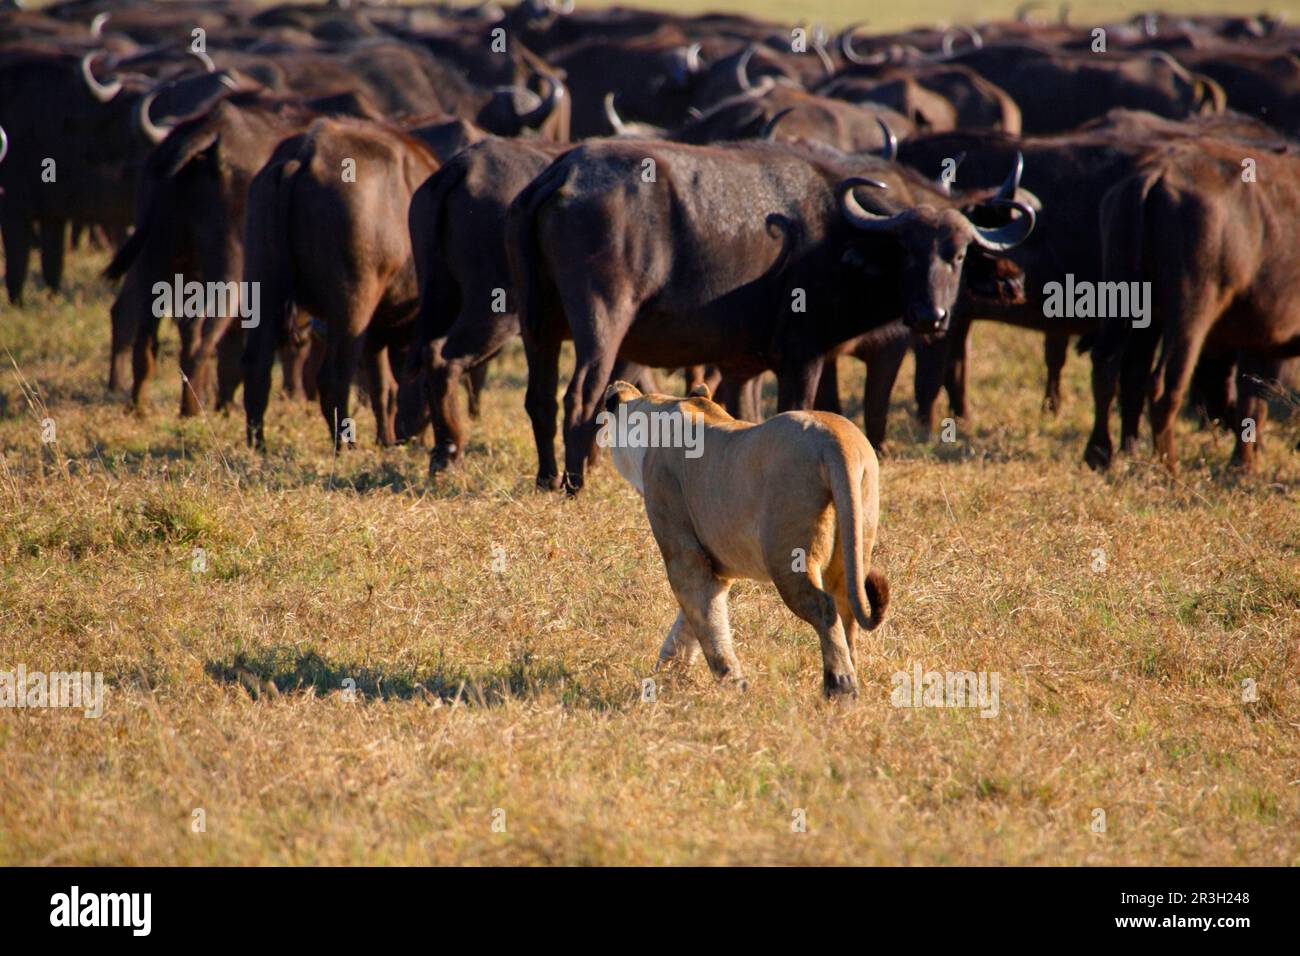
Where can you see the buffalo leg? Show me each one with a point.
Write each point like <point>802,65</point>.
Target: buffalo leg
<point>954,378</point>
<point>543,354</point>
<point>474,383</point>
<point>1254,380</point>
<point>796,385</point>
<point>449,432</point>
<point>229,374</point>
<point>931,367</point>
<point>54,235</point>
<point>883,365</point>
<point>256,362</point>
<point>1056,346</point>
<point>191,383</point>
<point>1182,347</point>
<point>144,357</point>
<point>17,243</point>
<point>591,376</point>
<point>337,372</point>
<point>383,393</point>
<point>124,317</point>
<point>1135,374</point>
<point>732,393</point>
<point>828,388</point>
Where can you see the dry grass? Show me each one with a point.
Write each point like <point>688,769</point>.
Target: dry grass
<point>521,690</point>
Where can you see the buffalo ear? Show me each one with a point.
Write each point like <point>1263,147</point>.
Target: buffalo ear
<point>701,391</point>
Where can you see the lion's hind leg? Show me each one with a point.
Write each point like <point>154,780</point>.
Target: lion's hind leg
<point>681,647</point>
<point>702,597</point>
<point>802,594</point>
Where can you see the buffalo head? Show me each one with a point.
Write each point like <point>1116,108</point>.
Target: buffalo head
<point>933,242</point>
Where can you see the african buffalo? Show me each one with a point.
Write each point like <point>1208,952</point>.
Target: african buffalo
<point>325,230</point>
<point>748,256</point>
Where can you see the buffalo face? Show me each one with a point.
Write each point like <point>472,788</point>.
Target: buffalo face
<point>934,244</point>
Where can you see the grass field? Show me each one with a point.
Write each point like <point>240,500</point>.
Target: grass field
<point>498,639</point>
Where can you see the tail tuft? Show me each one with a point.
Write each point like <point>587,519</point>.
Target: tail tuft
<point>877,588</point>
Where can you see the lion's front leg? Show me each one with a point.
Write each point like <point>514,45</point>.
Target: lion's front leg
<point>681,645</point>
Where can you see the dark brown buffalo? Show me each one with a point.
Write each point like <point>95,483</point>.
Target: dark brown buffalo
<point>81,168</point>
<point>468,308</point>
<point>1220,253</point>
<point>671,255</point>
<point>1058,91</point>
<point>340,250</point>
<point>1068,173</point>
<point>937,93</point>
<point>190,221</point>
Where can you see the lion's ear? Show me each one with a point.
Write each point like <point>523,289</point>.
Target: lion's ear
<point>617,393</point>
<point>701,391</point>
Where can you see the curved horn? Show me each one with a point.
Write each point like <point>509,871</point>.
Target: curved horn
<point>769,128</point>
<point>853,56</point>
<point>1012,234</point>
<point>611,114</point>
<point>100,91</point>
<point>889,151</point>
<point>4,144</point>
<point>1210,93</point>
<point>1178,69</point>
<point>151,130</point>
<point>228,81</point>
<point>1007,191</point>
<point>742,68</point>
<point>693,62</point>
<point>976,40</point>
<point>97,25</point>
<point>857,216</point>
<point>206,60</point>
<point>554,93</point>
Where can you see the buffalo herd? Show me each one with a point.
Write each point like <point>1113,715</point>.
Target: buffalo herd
<point>392,194</point>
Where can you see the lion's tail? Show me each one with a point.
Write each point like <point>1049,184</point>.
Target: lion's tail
<point>846,490</point>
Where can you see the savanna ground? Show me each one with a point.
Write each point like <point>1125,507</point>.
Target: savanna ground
<point>498,639</point>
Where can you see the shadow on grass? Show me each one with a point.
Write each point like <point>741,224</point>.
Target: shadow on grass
<point>284,670</point>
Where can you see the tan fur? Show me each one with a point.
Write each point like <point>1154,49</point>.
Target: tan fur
<point>757,499</point>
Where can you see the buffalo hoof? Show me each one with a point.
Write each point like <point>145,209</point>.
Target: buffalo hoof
<point>1097,456</point>
<point>548,482</point>
<point>441,459</point>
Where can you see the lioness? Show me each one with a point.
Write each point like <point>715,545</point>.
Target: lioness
<point>766,502</point>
